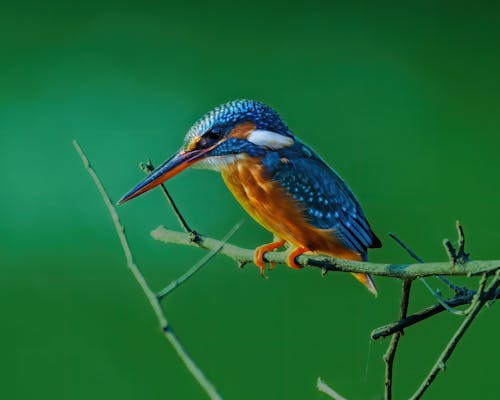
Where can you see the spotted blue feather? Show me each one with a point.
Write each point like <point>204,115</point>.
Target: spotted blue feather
<point>327,201</point>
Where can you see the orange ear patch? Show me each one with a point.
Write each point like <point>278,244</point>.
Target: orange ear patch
<point>241,131</point>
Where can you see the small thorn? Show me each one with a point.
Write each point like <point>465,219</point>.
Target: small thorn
<point>324,271</point>
<point>241,264</point>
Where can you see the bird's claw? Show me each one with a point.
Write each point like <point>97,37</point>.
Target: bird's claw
<point>290,261</point>
<point>258,257</point>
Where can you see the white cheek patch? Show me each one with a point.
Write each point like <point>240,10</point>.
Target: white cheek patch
<point>217,163</point>
<point>269,139</point>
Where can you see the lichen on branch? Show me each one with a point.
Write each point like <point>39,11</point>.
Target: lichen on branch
<point>326,263</point>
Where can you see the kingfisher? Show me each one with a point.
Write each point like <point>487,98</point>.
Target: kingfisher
<point>278,179</point>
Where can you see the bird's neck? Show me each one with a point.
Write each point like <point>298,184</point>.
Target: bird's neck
<point>224,163</point>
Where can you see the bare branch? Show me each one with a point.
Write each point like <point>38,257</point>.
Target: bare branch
<point>475,298</point>
<point>452,344</point>
<point>410,252</point>
<point>323,387</point>
<point>413,255</point>
<point>169,334</point>
<point>460,266</point>
<point>199,265</point>
<point>148,167</point>
<point>437,295</point>
<point>390,354</point>
<point>399,271</point>
<point>428,312</point>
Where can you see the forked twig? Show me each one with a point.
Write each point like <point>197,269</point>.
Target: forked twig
<point>458,300</point>
<point>452,344</point>
<point>166,328</point>
<point>437,295</point>
<point>457,257</point>
<point>199,265</point>
<point>413,255</point>
<point>475,297</point>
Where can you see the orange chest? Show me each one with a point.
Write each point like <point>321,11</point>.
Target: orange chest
<point>264,199</point>
<point>270,205</point>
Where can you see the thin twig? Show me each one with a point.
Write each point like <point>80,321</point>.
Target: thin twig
<point>148,167</point>
<point>452,344</point>
<point>413,255</point>
<point>195,371</point>
<point>199,265</point>
<point>462,255</point>
<point>457,289</point>
<point>390,354</point>
<point>410,252</point>
<point>475,298</point>
<point>457,256</point>
<point>450,250</point>
<point>437,296</point>
<point>399,271</point>
<point>428,312</point>
<point>322,386</point>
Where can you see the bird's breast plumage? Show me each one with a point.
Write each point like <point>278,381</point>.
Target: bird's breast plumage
<point>271,202</point>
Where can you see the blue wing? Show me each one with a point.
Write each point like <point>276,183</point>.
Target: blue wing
<point>328,201</point>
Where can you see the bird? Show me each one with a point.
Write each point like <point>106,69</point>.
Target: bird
<point>278,180</point>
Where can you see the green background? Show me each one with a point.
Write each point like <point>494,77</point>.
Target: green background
<point>402,100</point>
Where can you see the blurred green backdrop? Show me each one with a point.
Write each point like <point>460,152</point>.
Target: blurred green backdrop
<point>402,100</point>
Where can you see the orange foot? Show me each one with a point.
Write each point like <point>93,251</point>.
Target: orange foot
<point>258,256</point>
<point>295,253</point>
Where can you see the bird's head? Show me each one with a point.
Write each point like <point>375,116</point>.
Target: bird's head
<point>235,129</point>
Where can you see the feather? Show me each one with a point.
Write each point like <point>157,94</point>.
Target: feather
<point>328,201</point>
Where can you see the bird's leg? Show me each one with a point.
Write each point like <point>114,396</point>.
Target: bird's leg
<point>290,261</point>
<point>258,256</point>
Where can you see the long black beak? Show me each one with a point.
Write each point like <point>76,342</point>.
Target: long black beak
<point>175,164</point>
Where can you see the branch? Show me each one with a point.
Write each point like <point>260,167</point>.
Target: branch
<point>476,300</point>
<point>148,167</point>
<point>413,255</point>
<point>457,256</point>
<point>452,344</point>
<point>428,312</point>
<point>325,263</point>
<point>153,299</point>
<point>390,354</point>
<point>196,268</point>
<point>405,272</point>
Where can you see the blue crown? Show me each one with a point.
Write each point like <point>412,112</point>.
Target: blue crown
<point>229,114</point>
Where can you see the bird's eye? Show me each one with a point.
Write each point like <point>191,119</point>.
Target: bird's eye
<point>210,138</point>
<point>214,134</point>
